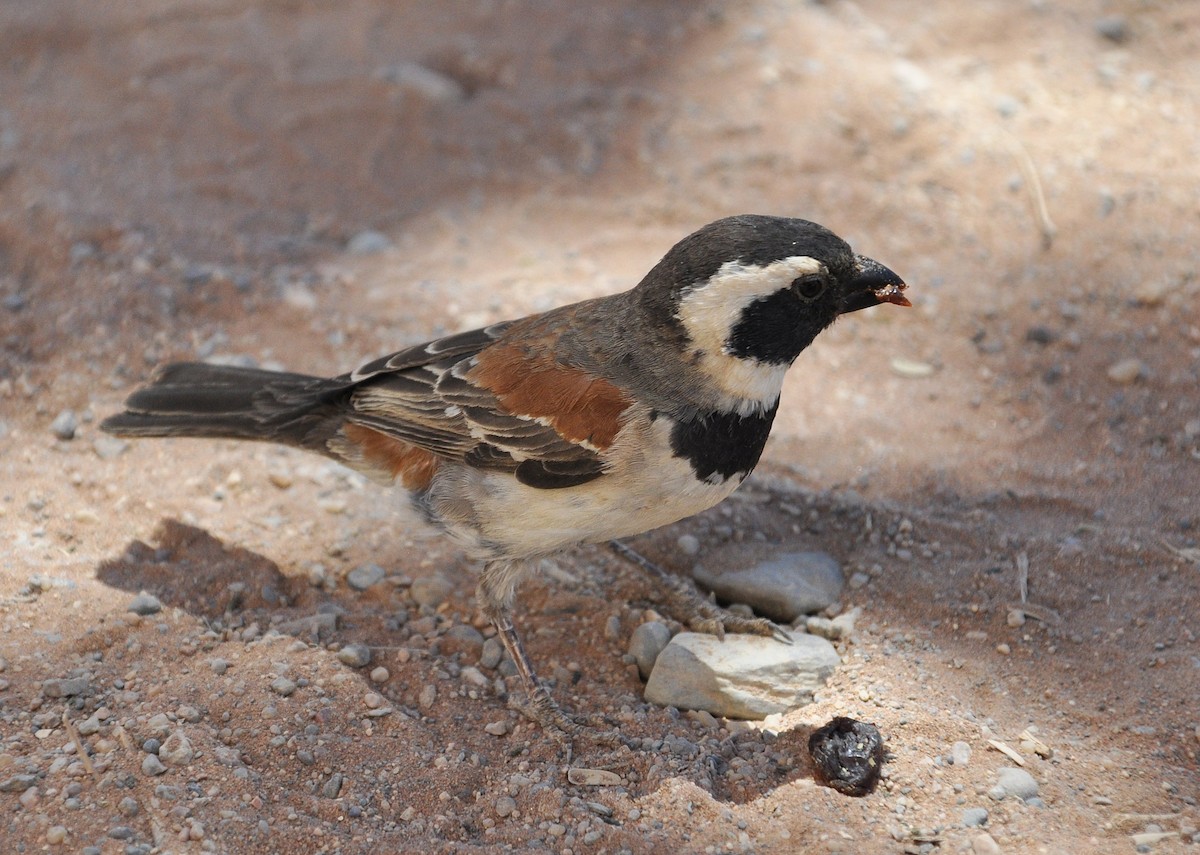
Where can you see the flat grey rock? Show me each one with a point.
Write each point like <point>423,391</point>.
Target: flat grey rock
<point>744,676</point>
<point>782,587</point>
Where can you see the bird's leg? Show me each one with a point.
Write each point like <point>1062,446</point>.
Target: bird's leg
<point>685,604</point>
<point>497,585</point>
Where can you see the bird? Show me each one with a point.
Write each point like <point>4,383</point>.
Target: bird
<point>587,423</point>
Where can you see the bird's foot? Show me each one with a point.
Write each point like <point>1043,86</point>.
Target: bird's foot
<point>564,727</point>
<point>697,613</point>
<point>702,615</point>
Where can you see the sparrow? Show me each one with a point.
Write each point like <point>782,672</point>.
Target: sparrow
<point>588,423</point>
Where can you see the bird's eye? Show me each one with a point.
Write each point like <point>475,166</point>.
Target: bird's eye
<point>809,287</point>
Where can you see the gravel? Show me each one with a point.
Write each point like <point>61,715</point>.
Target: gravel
<point>152,766</point>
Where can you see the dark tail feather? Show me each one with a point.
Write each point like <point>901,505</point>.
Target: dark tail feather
<point>227,402</point>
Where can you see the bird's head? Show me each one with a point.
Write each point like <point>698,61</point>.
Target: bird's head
<point>747,294</point>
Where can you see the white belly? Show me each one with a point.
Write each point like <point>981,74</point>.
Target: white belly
<point>648,488</point>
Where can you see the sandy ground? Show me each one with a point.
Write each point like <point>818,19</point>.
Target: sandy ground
<point>198,179</point>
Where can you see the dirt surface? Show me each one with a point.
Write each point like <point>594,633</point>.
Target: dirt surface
<point>310,185</point>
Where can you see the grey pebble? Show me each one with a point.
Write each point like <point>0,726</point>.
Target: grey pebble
<point>492,654</point>
<point>364,576</point>
<point>368,243</point>
<point>744,676</point>
<point>333,787</point>
<point>64,425</point>
<point>431,591</point>
<point>145,604</point>
<point>425,82</point>
<point>283,686</point>
<point>1014,782</point>
<point>151,745</point>
<point>505,806</point>
<point>152,766</point>
<point>782,588</point>
<point>218,666</point>
<point>108,447</point>
<point>974,817</point>
<point>128,806</point>
<point>121,832</point>
<point>176,749</point>
<point>646,643</point>
<point>65,688</point>
<point>355,655</point>
<point>960,753</point>
<point>17,783</point>
<point>89,726</point>
<point>1115,28</point>
<point>688,544</point>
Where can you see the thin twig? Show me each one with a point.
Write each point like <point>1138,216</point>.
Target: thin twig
<point>1042,212</point>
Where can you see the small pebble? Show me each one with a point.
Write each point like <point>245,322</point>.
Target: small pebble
<point>64,425</point>
<point>333,787</point>
<point>1014,782</point>
<point>496,728</point>
<point>144,604</point>
<point>121,832</point>
<point>646,643</point>
<point>152,766</point>
<point>65,688</point>
<point>505,806</point>
<point>176,749</point>
<point>1115,28</point>
<point>427,696</point>
<point>431,591</point>
<point>975,817</point>
<point>364,576</point>
<point>381,675</point>
<point>283,686</point>
<point>688,544</point>
<point>128,806</point>
<point>1126,371</point>
<point>218,666</point>
<point>492,654</point>
<point>355,655</point>
<point>56,834</point>
<point>984,844</point>
<point>368,243</point>
<point>108,447</point>
<point>960,753</point>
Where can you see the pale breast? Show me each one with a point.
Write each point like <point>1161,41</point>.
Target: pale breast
<point>646,486</point>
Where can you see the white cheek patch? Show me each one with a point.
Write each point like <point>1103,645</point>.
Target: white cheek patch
<point>709,313</point>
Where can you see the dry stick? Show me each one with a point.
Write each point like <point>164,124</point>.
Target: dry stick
<point>1023,575</point>
<point>80,748</point>
<point>1025,162</point>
